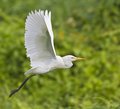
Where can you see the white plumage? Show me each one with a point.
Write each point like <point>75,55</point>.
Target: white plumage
<point>40,46</point>
<point>39,37</point>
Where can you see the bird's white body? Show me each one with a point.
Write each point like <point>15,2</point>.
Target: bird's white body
<point>39,43</point>
<point>49,65</point>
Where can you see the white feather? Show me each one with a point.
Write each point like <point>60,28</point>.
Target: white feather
<point>39,38</point>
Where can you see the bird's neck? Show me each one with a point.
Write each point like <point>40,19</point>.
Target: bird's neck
<point>64,62</point>
<point>60,62</point>
<point>67,63</point>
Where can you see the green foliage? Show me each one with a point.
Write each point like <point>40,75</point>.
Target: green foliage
<point>86,28</point>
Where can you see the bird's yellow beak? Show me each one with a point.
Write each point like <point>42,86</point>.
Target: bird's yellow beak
<point>78,58</point>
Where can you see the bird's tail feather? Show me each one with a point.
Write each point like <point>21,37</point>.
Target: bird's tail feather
<point>30,71</point>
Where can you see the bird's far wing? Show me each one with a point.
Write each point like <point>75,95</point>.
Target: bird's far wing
<point>39,37</point>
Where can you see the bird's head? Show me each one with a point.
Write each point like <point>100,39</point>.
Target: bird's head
<point>69,59</point>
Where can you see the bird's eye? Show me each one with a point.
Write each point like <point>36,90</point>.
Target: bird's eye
<point>72,57</point>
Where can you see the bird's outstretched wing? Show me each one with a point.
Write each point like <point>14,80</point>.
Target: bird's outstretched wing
<point>39,37</point>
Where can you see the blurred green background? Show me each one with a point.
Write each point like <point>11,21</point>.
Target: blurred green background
<point>86,28</point>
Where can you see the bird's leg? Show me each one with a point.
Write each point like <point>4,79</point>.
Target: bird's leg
<point>23,83</point>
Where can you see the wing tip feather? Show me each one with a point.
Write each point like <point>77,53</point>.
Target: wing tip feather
<point>43,13</point>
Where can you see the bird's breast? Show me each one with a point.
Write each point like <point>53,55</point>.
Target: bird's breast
<point>58,63</point>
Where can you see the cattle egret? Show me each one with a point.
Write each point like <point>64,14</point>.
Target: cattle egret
<point>39,44</point>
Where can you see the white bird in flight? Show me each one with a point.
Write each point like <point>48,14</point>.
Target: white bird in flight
<point>39,44</point>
